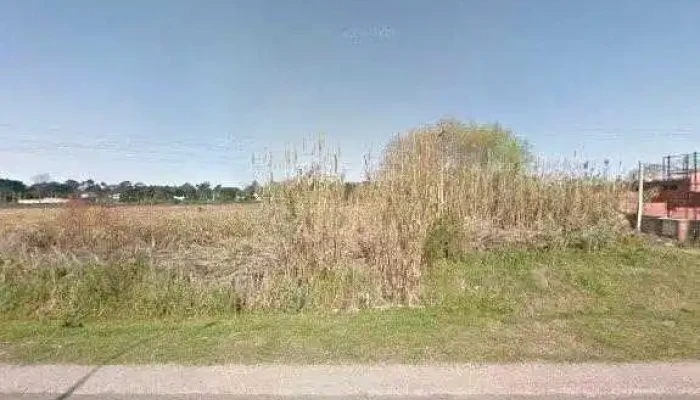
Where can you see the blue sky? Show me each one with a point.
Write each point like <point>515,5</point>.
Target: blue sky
<point>167,91</point>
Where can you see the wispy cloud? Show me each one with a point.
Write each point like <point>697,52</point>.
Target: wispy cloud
<point>369,34</point>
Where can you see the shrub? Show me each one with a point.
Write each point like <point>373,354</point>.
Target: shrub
<point>315,241</point>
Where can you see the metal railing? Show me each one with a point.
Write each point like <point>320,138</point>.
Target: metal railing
<point>680,166</point>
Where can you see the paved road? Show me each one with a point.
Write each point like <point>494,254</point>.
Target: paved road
<point>680,381</point>
<point>235,397</point>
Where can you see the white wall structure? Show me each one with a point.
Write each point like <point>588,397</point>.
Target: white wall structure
<point>46,200</point>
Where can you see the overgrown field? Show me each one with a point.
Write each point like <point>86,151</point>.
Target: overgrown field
<point>458,246</point>
<point>623,303</point>
<point>445,191</point>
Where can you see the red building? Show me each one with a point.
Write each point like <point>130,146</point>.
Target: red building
<point>673,188</point>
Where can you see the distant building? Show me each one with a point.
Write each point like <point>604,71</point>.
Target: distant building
<point>46,200</point>
<point>675,188</point>
<point>88,197</point>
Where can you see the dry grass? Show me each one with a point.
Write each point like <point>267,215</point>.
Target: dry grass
<point>312,243</point>
<point>624,303</point>
<point>435,194</point>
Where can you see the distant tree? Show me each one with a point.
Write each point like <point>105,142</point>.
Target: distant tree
<point>123,186</point>
<point>228,194</point>
<point>138,192</point>
<point>49,189</point>
<point>12,185</point>
<point>129,195</point>
<point>215,192</point>
<point>73,185</point>
<point>94,186</point>
<point>451,144</point>
<point>204,191</point>
<point>10,190</point>
<point>163,193</point>
<point>251,190</point>
<point>187,190</point>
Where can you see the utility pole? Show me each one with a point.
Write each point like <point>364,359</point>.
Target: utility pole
<point>640,197</point>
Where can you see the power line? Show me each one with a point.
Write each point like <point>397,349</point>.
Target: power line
<point>141,145</point>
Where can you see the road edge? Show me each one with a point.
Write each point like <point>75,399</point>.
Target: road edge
<point>463,380</point>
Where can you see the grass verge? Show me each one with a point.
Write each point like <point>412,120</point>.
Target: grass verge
<point>623,303</point>
<point>407,336</point>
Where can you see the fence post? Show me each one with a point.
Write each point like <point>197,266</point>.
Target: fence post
<point>640,197</point>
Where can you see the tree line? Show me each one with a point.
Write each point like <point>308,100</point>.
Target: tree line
<point>126,191</point>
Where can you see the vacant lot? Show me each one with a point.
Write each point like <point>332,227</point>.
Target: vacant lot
<point>457,247</point>
<point>624,303</point>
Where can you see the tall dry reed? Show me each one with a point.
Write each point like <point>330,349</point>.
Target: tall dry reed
<point>446,188</point>
<point>317,241</point>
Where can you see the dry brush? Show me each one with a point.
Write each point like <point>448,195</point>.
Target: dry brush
<point>315,241</point>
